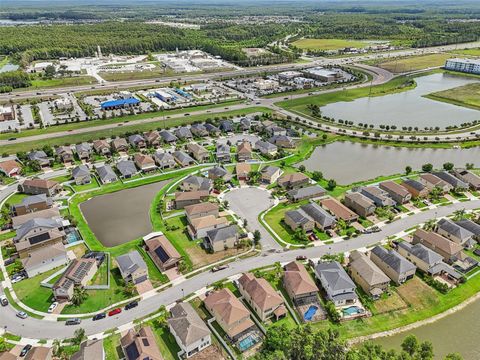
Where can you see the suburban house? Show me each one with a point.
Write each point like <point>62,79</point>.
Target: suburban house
<point>164,160</point>
<point>308,192</point>
<point>261,297</point>
<point>275,130</point>
<point>244,151</point>
<point>339,288</point>
<point>186,198</point>
<point>90,349</point>
<point>137,141</point>
<point>222,238</point>
<point>393,264</point>
<point>32,204</point>
<point>222,153</point>
<point>432,181</point>
<point>212,129</point>
<point>245,124</point>
<point>323,220</point>
<point>378,196</point>
<point>199,226</point>
<point>226,126</point>
<point>161,251</point>
<point>167,136</point>
<point>229,312</point>
<point>219,172</point>
<point>415,188</point>
<point>201,210</point>
<point>102,147</point>
<point>282,141</point>
<point>471,226</point>
<point>396,191</point>
<point>81,175</point>
<point>40,186</point>
<point>126,168</point>
<point>428,261</point>
<point>132,267</point>
<point>339,210</point>
<point>196,183</point>
<point>199,130</point>
<point>266,148</point>
<point>144,162</point>
<point>152,138</point>
<point>39,353</point>
<point>368,275</point>
<point>42,259</point>
<point>119,145</point>
<point>79,272</point>
<point>183,159</point>
<point>359,203</point>
<point>140,345</point>
<point>83,150</point>
<point>189,330</point>
<point>10,168</point>
<point>446,248</point>
<point>455,233</point>
<point>50,213</point>
<point>106,174</point>
<point>298,218</point>
<point>299,285</point>
<point>183,133</point>
<point>65,154</point>
<point>242,170</point>
<point>470,178</point>
<point>270,174</point>
<point>40,157</point>
<point>295,180</point>
<point>455,182</point>
<point>198,152</point>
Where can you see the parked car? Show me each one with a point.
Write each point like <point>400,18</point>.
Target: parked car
<point>17,278</point>
<point>73,321</point>
<point>131,305</point>
<point>301,257</point>
<point>114,312</point>
<point>22,315</point>
<point>25,350</point>
<point>218,268</point>
<point>3,300</point>
<point>52,307</point>
<point>99,317</point>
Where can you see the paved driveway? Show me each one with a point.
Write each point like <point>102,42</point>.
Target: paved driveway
<point>248,203</point>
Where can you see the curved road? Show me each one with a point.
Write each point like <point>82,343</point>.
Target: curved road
<point>44,329</point>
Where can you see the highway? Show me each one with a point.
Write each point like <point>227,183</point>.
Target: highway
<point>43,329</point>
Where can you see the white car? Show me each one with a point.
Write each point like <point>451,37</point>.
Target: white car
<point>22,315</point>
<point>52,307</point>
<point>17,279</point>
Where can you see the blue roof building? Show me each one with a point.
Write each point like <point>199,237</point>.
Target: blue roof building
<point>120,103</point>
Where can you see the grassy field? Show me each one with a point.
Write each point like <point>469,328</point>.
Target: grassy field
<point>413,63</point>
<point>60,82</point>
<point>113,350</point>
<point>136,75</point>
<point>466,95</point>
<point>96,134</point>
<point>328,44</point>
<point>470,52</point>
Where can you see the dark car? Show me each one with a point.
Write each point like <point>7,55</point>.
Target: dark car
<point>74,321</point>
<point>25,350</point>
<point>114,312</point>
<point>99,317</point>
<point>131,305</point>
<point>301,257</point>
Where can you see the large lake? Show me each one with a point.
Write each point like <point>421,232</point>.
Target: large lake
<point>455,333</point>
<point>121,216</point>
<point>408,108</point>
<point>349,162</point>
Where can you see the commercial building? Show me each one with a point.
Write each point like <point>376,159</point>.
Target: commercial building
<point>471,66</point>
<point>120,104</point>
<point>7,113</point>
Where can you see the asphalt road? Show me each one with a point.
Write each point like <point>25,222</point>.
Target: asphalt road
<point>42,329</point>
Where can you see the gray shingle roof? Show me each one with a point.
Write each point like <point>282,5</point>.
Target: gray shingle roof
<point>270,170</point>
<point>167,136</point>
<point>183,158</point>
<point>217,171</point>
<point>201,182</point>
<point>80,171</point>
<point>319,214</point>
<point>226,126</point>
<point>469,225</point>
<point>450,227</point>
<point>183,133</point>
<point>130,262</point>
<point>212,128</point>
<point>452,180</point>
<point>106,173</point>
<point>83,147</point>
<point>309,191</point>
<point>34,199</point>
<point>393,259</point>
<point>421,252</point>
<point>36,223</point>
<point>164,158</point>
<point>37,155</point>
<point>126,167</point>
<point>336,277</point>
<point>298,216</point>
<point>415,184</point>
<point>135,139</point>
<point>265,146</point>
<point>221,234</point>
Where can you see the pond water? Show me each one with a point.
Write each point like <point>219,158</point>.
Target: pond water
<point>455,333</point>
<point>408,108</point>
<point>121,216</point>
<point>349,162</point>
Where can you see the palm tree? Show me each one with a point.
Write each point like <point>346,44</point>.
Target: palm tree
<point>459,214</point>
<point>129,289</point>
<point>429,225</point>
<point>79,295</point>
<point>436,193</point>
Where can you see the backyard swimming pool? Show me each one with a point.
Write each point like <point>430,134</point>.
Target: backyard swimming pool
<point>310,313</point>
<point>352,310</point>
<point>247,342</point>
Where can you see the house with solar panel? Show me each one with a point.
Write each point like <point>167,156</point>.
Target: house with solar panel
<point>161,251</point>
<point>78,273</point>
<point>140,345</point>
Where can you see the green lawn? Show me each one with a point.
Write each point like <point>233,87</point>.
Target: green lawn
<point>60,82</point>
<point>15,199</point>
<point>275,218</point>
<point>112,347</point>
<point>328,44</point>
<point>413,63</point>
<point>466,95</point>
<point>471,52</point>
<point>165,341</point>
<point>92,185</point>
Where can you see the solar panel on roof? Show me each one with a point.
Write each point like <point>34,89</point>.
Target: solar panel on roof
<point>162,255</point>
<point>145,342</point>
<point>132,351</point>
<point>39,238</point>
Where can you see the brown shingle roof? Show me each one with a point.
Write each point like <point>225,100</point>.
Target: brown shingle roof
<point>395,188</point>
<point>338,209</point>
<point>200,208</point>
<point>438,241</point>
<point>208,221</point>
<point>242,168</point>
<point>190,195</point>
<point>40,183</point>
<point>292,178</point>
<point>9,165</point>
<point>297,280</point>
<point>244,148</point>
<point>261,292</point>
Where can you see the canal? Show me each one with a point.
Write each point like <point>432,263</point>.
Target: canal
<point>408,108</point>
<point>349,162</point>
<point>122,216</point>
